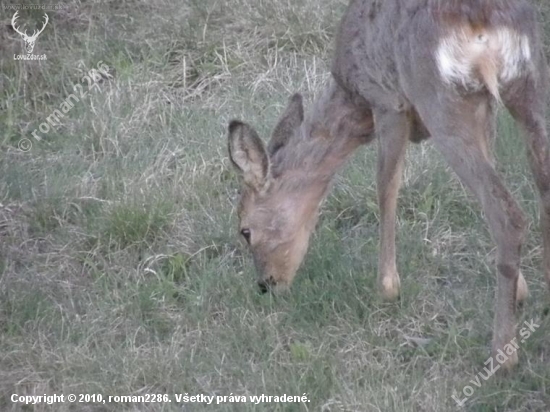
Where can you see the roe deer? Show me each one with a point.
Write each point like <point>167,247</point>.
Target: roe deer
<point>405,70</point>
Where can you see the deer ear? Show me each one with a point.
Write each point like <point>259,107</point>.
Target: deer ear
<point>291,119</point>
<point>247,153</point>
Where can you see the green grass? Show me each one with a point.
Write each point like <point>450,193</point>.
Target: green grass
<point>120,269</point>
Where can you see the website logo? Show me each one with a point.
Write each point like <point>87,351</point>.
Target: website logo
<point>30,41</point>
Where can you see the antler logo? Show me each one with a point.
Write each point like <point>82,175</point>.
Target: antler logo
<point>29,40</point>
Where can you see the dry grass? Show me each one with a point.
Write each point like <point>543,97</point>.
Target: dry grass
<point>120,272</point>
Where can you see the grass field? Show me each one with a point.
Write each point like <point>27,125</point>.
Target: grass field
<point>120,269</point>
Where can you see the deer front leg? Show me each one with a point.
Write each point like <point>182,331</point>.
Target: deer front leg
<point>393,130</point>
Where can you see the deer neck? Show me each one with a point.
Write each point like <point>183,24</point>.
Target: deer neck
<point>336,126</point>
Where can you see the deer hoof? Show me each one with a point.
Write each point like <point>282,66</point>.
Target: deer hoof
<point>507,362</point>
<point>523,290</point>
<point>389,287</point>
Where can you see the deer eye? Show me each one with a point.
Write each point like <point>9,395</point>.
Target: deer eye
<point>246,234</point>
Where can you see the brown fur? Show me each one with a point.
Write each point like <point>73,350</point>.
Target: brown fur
<point>478,12</point>
<point>387,75</point>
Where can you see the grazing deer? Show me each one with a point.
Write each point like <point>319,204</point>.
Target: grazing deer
<point>405,70</point>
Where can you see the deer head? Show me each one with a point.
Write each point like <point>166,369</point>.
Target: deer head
<point>277,210</point>
<point>285,182</point>
<point>29,40</point>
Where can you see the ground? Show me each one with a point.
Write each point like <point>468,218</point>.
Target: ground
<point>121,272</point>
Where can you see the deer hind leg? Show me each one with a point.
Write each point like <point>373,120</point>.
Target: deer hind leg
<point>486,144</point>
<point>526,102</point>
<point>393,129</point>
<point>457,130</point>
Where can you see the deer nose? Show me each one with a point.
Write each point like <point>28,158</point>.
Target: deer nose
<point>265,285</point>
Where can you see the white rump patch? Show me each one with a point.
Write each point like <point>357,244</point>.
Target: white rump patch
<point>515,51</point>
<point>460,55</point>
